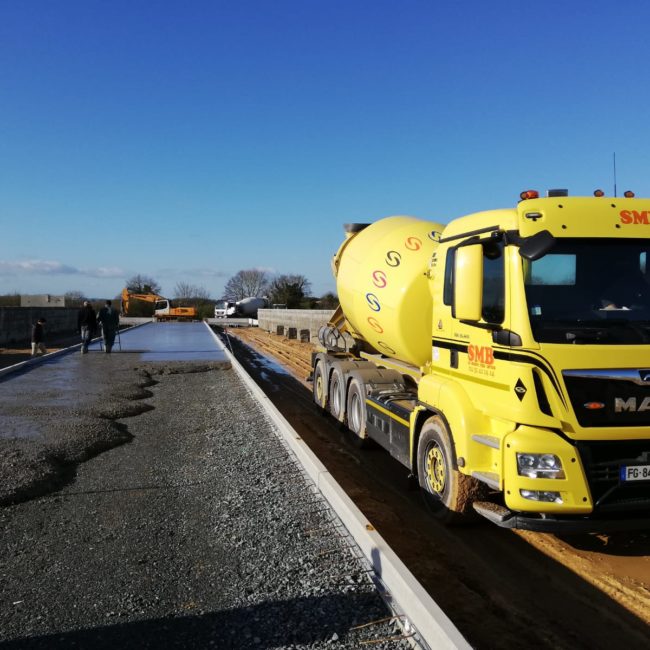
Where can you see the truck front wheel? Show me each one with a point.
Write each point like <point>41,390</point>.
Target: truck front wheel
<point>447,493</point>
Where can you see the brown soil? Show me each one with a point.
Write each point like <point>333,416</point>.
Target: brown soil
<point>503,589</point>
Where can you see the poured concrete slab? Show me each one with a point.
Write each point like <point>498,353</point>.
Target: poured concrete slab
<point>169,342</point>
<point>60,409</point>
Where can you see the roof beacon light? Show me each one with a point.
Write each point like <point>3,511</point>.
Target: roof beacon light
<point>529,194</point>
<point>552,193</point>
<point>628,194</point>
<point>599,193</point>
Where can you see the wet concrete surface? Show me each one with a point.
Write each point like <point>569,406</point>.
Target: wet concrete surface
<point>65,409</point>
<point>169,342</point>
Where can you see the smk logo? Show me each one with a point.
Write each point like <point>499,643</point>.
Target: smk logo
<point>481,354</point>
<point>635,217</point>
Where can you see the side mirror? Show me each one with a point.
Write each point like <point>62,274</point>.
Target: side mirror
<point>468,282</point>
<point>537,245</point>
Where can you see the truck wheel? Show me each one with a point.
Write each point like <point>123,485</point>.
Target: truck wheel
<point>447,493</point>
<point>356,413</point>
<point>318,386</point>
<point>337,394</point>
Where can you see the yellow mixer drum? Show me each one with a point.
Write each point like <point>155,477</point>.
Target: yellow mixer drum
<point>381,279</point>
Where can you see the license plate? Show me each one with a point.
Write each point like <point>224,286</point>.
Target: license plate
<point>635,473</point>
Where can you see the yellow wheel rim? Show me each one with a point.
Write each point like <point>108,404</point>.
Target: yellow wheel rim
<point>436,469</point>
<point>319,388</point>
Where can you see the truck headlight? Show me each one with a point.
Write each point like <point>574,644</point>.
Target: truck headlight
<point>546,496</point>
<point>539,466</point>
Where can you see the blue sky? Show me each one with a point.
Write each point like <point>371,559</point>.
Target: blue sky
<point>190,140</point>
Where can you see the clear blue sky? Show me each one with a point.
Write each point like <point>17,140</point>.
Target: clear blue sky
<point>189,140</point>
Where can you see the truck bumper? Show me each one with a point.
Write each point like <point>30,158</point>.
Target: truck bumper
<point>505,518</point>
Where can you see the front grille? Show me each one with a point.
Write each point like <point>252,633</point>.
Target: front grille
<point>606,391</point>
<point>603,461</point>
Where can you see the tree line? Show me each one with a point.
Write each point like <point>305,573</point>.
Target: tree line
<point>292,291</point>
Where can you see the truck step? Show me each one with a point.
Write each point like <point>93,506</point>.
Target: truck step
<point>496,513</point>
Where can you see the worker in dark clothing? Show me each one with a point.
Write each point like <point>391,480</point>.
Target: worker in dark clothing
<point>38,336</point>
<point>86,325</point>
<point>109,319</point>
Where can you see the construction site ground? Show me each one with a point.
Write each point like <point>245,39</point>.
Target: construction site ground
<point>503,589</point>
<point>22,350</point>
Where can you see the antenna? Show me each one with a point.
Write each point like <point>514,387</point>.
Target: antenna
<point>614,174</point>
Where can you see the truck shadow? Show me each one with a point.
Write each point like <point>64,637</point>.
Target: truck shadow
<point>270,624</point>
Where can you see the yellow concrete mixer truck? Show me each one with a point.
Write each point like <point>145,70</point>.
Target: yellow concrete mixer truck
<point>503,358</point>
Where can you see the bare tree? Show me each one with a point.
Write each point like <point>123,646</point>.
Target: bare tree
<point>74,298</point>
<point>186,293</point>
<point>244,284</point>
<point>289,290</point>
<point>142,284</point>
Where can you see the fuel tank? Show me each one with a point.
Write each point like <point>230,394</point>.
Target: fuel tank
<point>381,279</point>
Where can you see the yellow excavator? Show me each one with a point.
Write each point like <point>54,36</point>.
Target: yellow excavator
<point>163,309</point>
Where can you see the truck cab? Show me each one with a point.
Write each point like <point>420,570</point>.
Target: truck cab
<point>542,322</point>
<point>163,311</point>
<point>223,308</point>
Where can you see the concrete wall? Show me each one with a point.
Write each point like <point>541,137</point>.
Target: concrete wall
<point>16,322</point>
<point>42,300</point>
<point>294,321</point>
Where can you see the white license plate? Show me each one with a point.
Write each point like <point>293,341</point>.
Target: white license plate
<point>635,473</point>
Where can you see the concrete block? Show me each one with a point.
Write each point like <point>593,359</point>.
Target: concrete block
<point>42,300</point>
<point>272,320</point>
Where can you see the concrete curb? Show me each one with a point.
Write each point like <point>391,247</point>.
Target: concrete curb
<point>406,594</point>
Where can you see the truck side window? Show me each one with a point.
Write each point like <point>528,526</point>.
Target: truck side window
<point>448,291</point>
<point>493,283</point>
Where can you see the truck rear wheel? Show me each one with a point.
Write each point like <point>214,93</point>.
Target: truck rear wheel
<point>318,386</point>
<point>447,493</point>
<point>337,394</point>
<point>356,412</point>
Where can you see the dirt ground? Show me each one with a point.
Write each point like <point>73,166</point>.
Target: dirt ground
<point>17,352</point>
<point>21,351</point>
<point>579,591</point>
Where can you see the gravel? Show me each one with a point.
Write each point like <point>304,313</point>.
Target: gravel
<point>194,528</point>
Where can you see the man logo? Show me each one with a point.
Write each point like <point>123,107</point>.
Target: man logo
<point>622,404</point>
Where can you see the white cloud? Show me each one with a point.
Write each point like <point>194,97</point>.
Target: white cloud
<point>203,273</point>
<point>105,272</point>
<point>50,267</point>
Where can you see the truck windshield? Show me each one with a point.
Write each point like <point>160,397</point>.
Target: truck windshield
<point>594,291</point>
